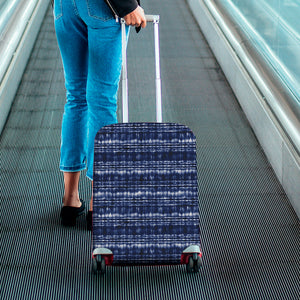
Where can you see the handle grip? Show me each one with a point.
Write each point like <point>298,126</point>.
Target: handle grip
<point>152,18</point>
<point>155,20</point>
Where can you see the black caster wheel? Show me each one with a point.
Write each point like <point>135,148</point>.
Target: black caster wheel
<point>197,264</point>
<point>102,265</point>
<point>194,263</point>
<point>190,265</point>
<point>94,265</point>
<point>98,265</point>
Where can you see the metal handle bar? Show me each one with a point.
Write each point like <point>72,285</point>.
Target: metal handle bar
<point>155,20</point>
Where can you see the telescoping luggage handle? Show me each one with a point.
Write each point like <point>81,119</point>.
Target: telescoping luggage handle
<point>155,20</point>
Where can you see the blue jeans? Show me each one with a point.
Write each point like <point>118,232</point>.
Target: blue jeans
<point>89,40</point>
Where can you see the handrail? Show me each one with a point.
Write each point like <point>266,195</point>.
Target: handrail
<point>280,99</point>
<point>13,32</point>
<point>20,23</point>
<point>7,10</point>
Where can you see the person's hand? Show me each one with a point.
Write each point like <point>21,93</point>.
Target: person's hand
<point>136,18</point>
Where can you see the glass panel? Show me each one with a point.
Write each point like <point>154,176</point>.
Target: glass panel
<point>7,8</point>
<point>273,26</point>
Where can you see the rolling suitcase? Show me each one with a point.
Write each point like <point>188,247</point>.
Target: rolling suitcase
<point>145,195</point>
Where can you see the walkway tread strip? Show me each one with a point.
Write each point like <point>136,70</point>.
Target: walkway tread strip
<point>249,231</point>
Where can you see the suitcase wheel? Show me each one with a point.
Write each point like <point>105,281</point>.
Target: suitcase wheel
<point>194,263</point>
<point>98,264</point>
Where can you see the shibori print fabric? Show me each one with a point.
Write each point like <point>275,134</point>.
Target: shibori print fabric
<point>145,206</point>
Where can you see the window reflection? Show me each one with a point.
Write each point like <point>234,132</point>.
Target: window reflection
<point>273,26</point>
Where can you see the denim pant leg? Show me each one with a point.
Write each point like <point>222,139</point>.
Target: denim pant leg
<point>90,43</point>
<point>104,69</point>
<point>71,35</point>
<point>105,63</point>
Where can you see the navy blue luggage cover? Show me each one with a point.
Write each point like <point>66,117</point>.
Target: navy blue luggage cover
<point>145,195</point>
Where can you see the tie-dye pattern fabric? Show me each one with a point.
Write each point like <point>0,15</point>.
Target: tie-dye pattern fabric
<point>145,207</point>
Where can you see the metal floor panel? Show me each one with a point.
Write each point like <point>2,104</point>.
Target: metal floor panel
<point>249,231</point>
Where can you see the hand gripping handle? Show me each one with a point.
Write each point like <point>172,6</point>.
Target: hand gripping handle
<point>155,20</point>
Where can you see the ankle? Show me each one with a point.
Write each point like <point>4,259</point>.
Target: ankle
<point>71,201</point>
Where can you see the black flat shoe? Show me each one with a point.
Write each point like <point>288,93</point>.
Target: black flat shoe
<point>89,220</point>
<point>69,214</point>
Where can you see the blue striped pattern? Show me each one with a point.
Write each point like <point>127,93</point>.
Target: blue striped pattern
<point>145,206</point>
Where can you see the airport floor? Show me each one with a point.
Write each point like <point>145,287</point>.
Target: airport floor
<point>249,230</point>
